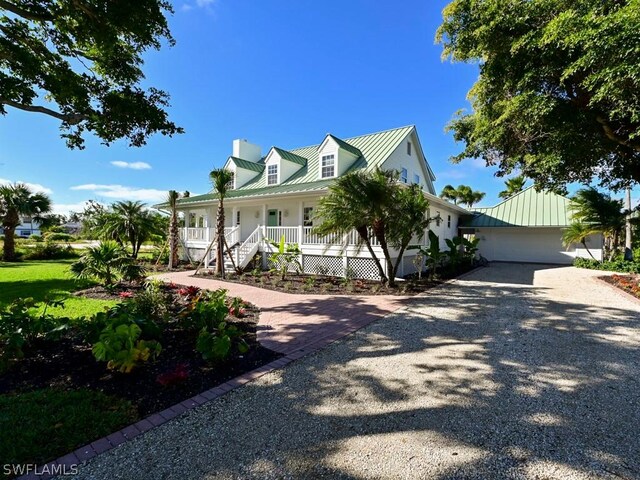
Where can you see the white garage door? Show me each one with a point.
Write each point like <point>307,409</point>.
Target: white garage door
<point>536,245</point>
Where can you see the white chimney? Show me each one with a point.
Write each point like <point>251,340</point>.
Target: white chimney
<point>246,151</point>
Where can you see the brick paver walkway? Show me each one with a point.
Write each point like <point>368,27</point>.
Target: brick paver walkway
<point>298,323</point>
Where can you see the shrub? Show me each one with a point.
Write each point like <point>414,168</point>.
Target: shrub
<point>20,326</point>
<point>50,251</point>
<point>35,238</point>
<point>217,343</point>
<point>286,256</point>
<point>611,266</point>
<point>150,303</point>
<point>107,263</point>
<point>121,347</point>
<point>58,237</point>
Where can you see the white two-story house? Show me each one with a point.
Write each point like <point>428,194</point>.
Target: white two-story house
<point>275,193</point>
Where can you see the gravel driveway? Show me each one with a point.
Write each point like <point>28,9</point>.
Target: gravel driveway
<point>517,371</point>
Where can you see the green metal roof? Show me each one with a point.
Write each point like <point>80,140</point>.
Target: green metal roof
<point>247,165</point>
<point>292,157</point>
<point>528,208</point>
<point>374,149</point>
<point>344,145</point>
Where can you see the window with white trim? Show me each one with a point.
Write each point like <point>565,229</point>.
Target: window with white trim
<point>237,217</point>
<point>307,218</point>
<point>328,166</point>
<point>409,148</point>
<point>272,174</point>
<point>404,175</point>
<point>416,179</point>
<point>448,221</point>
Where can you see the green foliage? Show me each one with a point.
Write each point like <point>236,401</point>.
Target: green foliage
<point>58,237</point>
<point>578,232</point>
<point>82,66</point>
<point>53,422</point>
<point>512,186</point>
<point>217,343</point>
<point>222,182</point>
<point>463,194</point>
<point>620,266</point>
<point>433,255</point>
<point>285,257</point>
<point>35,238</point>
<point>17,200</point>
<point>206,310</point>
<point>151,302</point>
<point>50,251</point>
<point>121,347</point>
<point>20,326</point>
<point>557,93</point>
<point>107,263</point>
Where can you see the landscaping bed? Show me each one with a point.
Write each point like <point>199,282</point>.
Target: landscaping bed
<point>180,319</point>
<point>628,283</point>
<point>330,285</point>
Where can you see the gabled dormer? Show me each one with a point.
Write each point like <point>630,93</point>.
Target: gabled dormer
<point>335,157</point>
<point>243,170</point>
<point>280,165</point>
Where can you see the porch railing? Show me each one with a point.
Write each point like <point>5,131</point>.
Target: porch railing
<point>351,238</point>
<point>290,234</point>
<point>207,234</point>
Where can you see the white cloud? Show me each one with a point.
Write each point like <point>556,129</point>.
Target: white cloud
<point>36,187</point>
<point>131,165</point>
<point>66,208</point>
<point>206,5</point>
<point>122,192</point>
<point>453,173</point>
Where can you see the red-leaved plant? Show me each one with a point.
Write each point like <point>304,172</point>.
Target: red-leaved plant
<point>172,377</point>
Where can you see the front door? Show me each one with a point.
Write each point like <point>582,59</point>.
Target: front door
<point>272,218</point>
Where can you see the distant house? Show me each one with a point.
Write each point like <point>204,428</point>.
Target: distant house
<point>275,193</point>
<point>527,227</point>
<point>27,227</point>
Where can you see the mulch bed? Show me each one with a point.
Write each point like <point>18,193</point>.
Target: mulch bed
<point>69,364</point>
<point>328,285</point>
<point>628,283</point>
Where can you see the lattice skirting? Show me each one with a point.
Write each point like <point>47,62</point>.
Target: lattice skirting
<point>363,268</point>
<point>335,266</point>
<point>323,265</point>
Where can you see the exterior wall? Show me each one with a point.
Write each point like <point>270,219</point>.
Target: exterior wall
<point>448,227</point>
<point>536,245</point>
<point>414,163</point>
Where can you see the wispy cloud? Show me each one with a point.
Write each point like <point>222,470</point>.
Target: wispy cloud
<point>36,187</point>
<point>66,208</point>
<point>453,174</point>
<point>201,4</point>
<point>131,165</point>
<point>122,192</point>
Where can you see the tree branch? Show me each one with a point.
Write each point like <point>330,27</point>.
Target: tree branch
<point>72,119</point>
<point>21,12</point>
<point>612,135</point>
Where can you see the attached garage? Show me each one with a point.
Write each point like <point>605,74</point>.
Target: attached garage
<point>528,228</point>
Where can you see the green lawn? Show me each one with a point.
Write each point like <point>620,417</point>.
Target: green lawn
<point>42,279</point>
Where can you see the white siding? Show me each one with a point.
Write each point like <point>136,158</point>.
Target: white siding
<point>414,163</point>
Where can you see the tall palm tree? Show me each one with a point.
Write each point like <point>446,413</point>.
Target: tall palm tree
<point>221,179</point>
<point>603,213</point>
<point>578,232</point>
<point>513,185</point>
<point>172,200</point>
<point>449,192</point>
<point>17,200</point>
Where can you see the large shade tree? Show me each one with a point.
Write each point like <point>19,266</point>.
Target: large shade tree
<point>221,180</point>
<point>18,200</point>
<point>80,62</point>
<point>557,95</point>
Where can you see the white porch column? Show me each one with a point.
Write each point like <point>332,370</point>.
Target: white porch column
<point>264,214</point>
<point>234,216</point>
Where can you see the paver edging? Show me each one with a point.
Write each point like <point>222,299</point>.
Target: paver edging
<point>619,291</point>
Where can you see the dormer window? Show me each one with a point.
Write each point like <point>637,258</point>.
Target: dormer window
<point>231,184</point>
<point>272,174</point>
<point>328,166</point>
<point>404,175</point>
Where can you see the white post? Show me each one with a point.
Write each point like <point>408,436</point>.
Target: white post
<point>300,234</point>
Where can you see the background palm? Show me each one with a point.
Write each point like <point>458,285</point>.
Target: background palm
<point>221,180</point>
<point>512,186</point>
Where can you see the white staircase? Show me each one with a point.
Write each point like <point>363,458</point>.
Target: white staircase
<point>242,253</point>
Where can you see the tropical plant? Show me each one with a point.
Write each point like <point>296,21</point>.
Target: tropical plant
<point>217,343</point>
<point>602,213</point>
<point>578,232</point>
<point>172,200</point>
<point>107,263</point>
<point>286,256</point>
<point>432,253</point>
<point>129,222</point>
<point>512,186</point>
<point>463,194</point>
<point>376,205</point>
<point>206,310</point>
<point>221,180</point>
<point>18,200</point>
<point>121,347</point>
<point>556,96</point>
<point>81,63</point>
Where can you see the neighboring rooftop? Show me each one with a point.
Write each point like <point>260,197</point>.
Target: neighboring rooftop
<point>528,208</point>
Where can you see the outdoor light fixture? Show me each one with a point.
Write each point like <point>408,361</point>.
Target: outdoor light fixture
<point>286,213</point>
<point>437,219</point>
<point>257,214</point>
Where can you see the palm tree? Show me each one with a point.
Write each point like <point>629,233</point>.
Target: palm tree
<point>603,213</point>
<point>108,262</point>
<point>450,193</point>
<point>128,222</point>
<point>578,232</point>
<point>221,179</point>
<point>16,200</point>
<point>513,185</point>
<point>172,200</point>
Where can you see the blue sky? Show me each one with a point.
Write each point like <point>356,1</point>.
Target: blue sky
<point>274,72</point>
